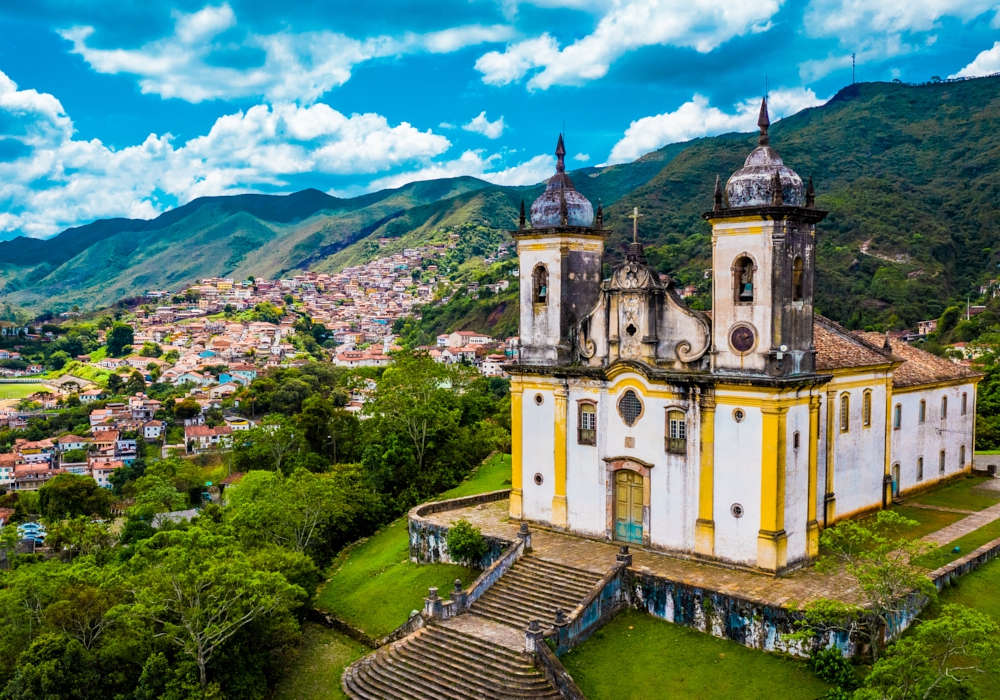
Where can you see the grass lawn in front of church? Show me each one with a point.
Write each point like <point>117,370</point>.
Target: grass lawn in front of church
<point>639,657</point>
<point>314,671</point>
<point>961,494</point>
<point>374,585</point>
<point>946,554</point>
<point>928,521</point>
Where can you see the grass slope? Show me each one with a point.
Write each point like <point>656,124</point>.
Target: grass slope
<point>961,494</point>
<point>314,673</point>
<point>375,586</point>
<point>639,657</point>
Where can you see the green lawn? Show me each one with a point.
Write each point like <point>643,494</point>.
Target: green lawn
<point>314,673</point>
<point>375,586</point>
<point>18,391</point>
<point>639,657</point>
<point>975,539</point>
<point>961,494</point>
<point>928,521</point>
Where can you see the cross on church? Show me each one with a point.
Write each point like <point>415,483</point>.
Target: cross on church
<point>635,224</point>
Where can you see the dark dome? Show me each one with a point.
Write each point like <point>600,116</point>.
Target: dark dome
<point>754,184</point>
<point>561,204</point>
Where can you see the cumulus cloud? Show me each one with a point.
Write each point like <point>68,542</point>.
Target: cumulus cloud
<point>482,125</point>
<point>698,24</point>
<point>697,118</point>
<point>582,157</point>
<point>986,63</point>
<point>49,180</point>
<point>876,31</point>
<point>190,63</point>
<point>474,163</point>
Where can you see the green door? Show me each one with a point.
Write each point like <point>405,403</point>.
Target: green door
<point>628,506</point>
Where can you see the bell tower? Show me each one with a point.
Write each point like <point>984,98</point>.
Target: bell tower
<point>763,250</point>
<point>560,258</point>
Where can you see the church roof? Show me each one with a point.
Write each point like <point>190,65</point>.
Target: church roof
<point>764,180</point>
<point>919,366</point>
<point>838,348</point>
<point>560,204</point>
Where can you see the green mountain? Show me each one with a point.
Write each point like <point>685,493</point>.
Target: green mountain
<point>909,175</point>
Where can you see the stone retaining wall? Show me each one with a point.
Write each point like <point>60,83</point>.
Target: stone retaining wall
<point>428,541</point>
<point>963,565</point>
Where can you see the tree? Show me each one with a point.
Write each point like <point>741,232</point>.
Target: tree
<point>54,666</point>
<point>186,409</point>
<point>72,495</point>
<point>937,660</point>
<point>199,589</point>
<point>79,535</point>
<point>119,337</point>
<point>115,384</point>
<point>466,543</point>
<point>58,359</point>
<point>151,350</point>
<point>135,385</point>
<point>267,447</point>
<point>155,494</point>
<point>871,552</point>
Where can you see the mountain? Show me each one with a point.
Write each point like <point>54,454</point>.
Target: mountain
<point>909,173</point>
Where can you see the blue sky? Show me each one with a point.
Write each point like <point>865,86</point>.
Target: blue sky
<point>130,108</point>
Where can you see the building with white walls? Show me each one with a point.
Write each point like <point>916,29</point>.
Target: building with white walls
<point>733,436</point>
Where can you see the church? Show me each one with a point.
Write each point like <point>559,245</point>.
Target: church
<point>733,436</point>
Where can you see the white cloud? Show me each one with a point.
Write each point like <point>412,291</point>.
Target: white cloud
<point>986,63</point>
<point>54,181</point>
<point>697,118</point>
<point>698,24</point>
<point>295,67</point>
<point>581,157</point>
<point>482,125</point>
<point>473,163</point>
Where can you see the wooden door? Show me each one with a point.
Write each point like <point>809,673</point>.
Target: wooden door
<point>628,506</point>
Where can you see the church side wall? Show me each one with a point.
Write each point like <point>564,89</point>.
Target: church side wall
<point>738,448</point>
<point>859,453</point>
<point>914,439</point>
<point>585,470</point>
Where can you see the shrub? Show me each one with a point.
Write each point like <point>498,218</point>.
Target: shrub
<point>466,543</point>
<point>830,665</point>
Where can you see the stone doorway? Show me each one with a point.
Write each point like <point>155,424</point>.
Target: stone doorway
<point>628,506</point>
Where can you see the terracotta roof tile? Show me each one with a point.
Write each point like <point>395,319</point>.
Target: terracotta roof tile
<point>838,348</point>
<point>919,366</point>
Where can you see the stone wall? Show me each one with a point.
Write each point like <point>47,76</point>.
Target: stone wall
<point>428,541</point>
<point>963,565</point>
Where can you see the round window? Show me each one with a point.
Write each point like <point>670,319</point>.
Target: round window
<point>630,407</point>
<point>739,415</point>
<point>539,399</point>
<point>737,510</point>
<point>539,479</point>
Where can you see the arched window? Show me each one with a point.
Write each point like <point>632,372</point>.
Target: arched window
<point>965,403</point>
<point>676,432</point>
<point>795,440</point>
<point>923,411</point>
<point>897,418</point>
<point>944,407</point>
<point>797,279</point>
<point>587,431</point>
<point>866,409</point>
<point>845,412</point>
<point>540,285</point>
<point>961,457</point>
<point>920,468</point>
<point>743,290</point>
<point>941,462</point>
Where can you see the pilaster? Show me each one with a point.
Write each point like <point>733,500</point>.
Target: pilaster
<point>829,499</point>
<point>812,526</point>
<point>772,541</point>
<point>560,515</point>
<point>516,448</point>
<point>704,542</point>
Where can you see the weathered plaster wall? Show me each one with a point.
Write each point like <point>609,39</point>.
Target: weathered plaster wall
<point>539,454</point>
<point>915,439</point>
<point>859,458</point>
<point>738,449</point>
<point>796,481</point>
<point>539,331</point>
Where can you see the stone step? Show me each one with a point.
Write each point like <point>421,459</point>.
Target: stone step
<point>534,589</point>
<point>546,584</point>
<point>587,578</point>
<point>438,663</point>
<point>517,601</point>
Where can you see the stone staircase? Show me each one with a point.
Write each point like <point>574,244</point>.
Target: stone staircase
<point>442,663</point>
<point>532,590</point>
<point>479,654</point>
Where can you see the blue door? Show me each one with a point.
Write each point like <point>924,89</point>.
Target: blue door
<point>628,506</point>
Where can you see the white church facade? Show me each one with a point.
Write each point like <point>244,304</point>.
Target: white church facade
<point>732,436</point>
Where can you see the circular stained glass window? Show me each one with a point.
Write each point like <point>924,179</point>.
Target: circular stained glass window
<point>742,339</point>
<point>630,407</point>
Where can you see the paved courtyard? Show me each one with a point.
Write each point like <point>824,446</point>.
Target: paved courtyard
<point>799,587</point>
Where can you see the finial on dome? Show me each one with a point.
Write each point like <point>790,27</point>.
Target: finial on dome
<point>777,196</point>
<point>560,155</point>
<point>810,195</point>
<point>763,121</point>
<point>718,195</point>
<point>520,221</point>
<point>599,218</point>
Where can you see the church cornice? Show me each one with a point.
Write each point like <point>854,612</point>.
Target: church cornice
<point>772,213</point>
<point>529,233</point>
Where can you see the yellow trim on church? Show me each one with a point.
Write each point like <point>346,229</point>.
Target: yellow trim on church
<point>516,448</point>
<point>560,511</point>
